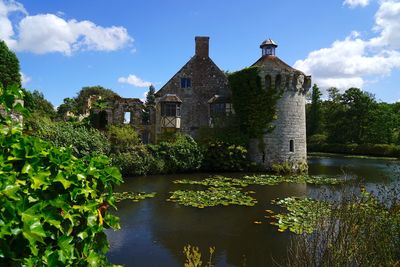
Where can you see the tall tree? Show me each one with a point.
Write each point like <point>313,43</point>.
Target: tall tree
<point>314,113</point>
<point>9,67</point>
<point>150,102</point>
<point>35,102</point>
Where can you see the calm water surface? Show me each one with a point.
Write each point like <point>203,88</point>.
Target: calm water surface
<point>154,232</point>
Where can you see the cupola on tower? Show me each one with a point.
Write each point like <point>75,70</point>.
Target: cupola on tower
<point>287,142</point>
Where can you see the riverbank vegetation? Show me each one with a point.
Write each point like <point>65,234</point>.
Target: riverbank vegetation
<point>54,205</point>
<point>352,122</point>
<point>359,228</point>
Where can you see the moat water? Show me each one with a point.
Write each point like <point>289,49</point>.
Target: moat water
<point>154,231</point>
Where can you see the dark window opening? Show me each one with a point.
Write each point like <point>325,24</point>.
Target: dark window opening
<point>186,83</point>
<point>217,109</point>
<point>291,146</point>
<point>278,82</point>
<point>263,157</point>
<point>171,110</point>
<point>267,82</point>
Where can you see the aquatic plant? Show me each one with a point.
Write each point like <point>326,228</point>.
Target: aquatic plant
<point>134,196</point>
<point>211,197</point>
<point>303,214</point>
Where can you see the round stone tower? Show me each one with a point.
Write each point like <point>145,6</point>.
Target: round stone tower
<point>287,142</point>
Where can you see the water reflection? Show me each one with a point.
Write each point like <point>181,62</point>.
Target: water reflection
<point>154,231</point>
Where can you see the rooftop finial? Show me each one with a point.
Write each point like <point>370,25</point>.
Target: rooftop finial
<point>268,47</point>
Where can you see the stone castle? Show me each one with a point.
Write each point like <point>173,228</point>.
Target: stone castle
<point>199,91</point>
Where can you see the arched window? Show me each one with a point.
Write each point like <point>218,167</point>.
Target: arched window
<point>278,82</point>
<point>267,82</point>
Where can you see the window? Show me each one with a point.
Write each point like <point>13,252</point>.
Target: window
<point>217,109</point>
<point>171,110</point>
<point>186,83</point>
<point>278,82</point>
<point>267,82</point>
<point>127,117</point>
<point>291,146</point>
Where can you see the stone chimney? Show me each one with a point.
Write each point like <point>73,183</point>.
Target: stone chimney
<point>202,46</point>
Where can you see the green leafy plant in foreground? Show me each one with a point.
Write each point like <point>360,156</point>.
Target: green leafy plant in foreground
<point>135,197</point>
<point>53,205</point>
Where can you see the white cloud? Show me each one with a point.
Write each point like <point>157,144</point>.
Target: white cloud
<point>134,80</point>
<point>355,3</point>
<point>25,79</point>
<point>47,33</point>
<point>349,62</point>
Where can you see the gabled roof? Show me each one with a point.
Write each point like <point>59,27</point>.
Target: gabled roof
<point>171,98</point>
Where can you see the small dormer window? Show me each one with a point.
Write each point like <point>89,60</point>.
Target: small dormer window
<point>186,83</point>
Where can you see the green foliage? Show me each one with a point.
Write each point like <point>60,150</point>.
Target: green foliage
<point>213,196</point>
<point>193,257</point>
<point>287,167</point>
<point>317,139</point>
<point>181,155</point>
<point>314,112</point>
<point>150,103</point>
<point>228,191</point>
<point>254,106</point>
<point>86,92</point>
<point>220,156</point>
<point>378,150</point>
<point>69,105</point>
<point>137,161</point>
<point>303,214</point>
<point>35,102</point>
<point>9,67</point>
<point>135,197</point>
<point>82,139</point>
<point>261,179</point>
<point>53,204</point>
<point>359,228</point>
<point>122,138</point>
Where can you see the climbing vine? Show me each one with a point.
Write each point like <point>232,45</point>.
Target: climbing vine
<point>254,106</point>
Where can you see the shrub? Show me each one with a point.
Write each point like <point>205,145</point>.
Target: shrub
<point>53,204</point>
<point>220,156</point>
<point>122,138</point>
<point>379,150</point>
<point>138,161</point>
<point>317,139</point>
<point>359,230</point>
<point>181,155</point>
<point>82,139</point>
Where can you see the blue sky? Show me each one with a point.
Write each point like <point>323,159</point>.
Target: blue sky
<point>125,45</point>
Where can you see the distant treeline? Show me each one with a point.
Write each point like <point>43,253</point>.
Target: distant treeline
<point>353,122</point>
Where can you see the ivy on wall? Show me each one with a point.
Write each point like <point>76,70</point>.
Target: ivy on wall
<point>254,106</point>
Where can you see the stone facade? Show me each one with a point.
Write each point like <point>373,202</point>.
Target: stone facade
<point>194,84</point>
<point>287,142</point>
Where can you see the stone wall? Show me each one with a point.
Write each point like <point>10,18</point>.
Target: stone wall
<point>207,80</point>
<point>290,123</point>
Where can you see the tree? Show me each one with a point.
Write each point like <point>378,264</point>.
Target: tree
<point>314,113</point>
<point>35,102</point>
<point>9,67</point>
<point>68,105</point>
<point>86,92</point>
<point>359,107</point>
<point>150,102</point>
